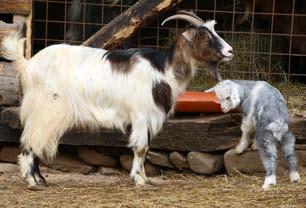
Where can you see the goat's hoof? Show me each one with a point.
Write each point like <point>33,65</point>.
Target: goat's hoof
<point>36,188</point>
<point>294,177</point>
<point>43,182</point>
<point>139,181</point>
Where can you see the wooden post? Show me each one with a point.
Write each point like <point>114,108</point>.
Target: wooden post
<point>127,23</point>
<point>23,7</point>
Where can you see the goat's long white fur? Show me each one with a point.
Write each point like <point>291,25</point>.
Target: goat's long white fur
<point>67,85</point>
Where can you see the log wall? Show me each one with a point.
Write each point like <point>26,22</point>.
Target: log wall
<point>21,11</point>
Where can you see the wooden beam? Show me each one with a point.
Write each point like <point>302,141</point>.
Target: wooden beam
<point>127,23</point>
<point>6,29</point>
<point>9,85</point>
<point>200,133</point>
<point>16,6</point>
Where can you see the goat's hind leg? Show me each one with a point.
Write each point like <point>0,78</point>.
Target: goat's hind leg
<point>288,145</point>
<point>267,148</point>
<point>29,167</point>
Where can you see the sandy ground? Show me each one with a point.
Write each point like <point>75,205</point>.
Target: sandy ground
<point>169,190</point>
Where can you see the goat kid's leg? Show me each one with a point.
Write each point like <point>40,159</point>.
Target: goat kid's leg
<point>29,167</point>
<point>254,145</point>
<point>266,144</point>
<point>288,145</point>
<point>245,138</point>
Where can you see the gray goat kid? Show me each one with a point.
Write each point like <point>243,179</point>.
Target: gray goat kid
<point>266,114</point>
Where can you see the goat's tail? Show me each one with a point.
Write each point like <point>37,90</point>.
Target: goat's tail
<point>12,48</point>
<point>278,128</point>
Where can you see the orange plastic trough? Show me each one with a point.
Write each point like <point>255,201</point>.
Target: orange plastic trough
<point>192,101</point>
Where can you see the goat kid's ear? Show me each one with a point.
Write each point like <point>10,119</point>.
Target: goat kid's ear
<point>235,96</point>
<point>189,34</point>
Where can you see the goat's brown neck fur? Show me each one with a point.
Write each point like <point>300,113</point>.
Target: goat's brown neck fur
<point>182,61</point>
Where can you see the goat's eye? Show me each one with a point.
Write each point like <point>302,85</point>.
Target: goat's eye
<point>228,98</point>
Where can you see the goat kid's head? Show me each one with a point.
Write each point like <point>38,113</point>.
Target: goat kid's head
<point>207,47</point>
<point>227,93</point>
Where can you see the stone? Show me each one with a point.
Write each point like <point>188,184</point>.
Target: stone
<point>9,154</point>
<point>159,158</point>
<point>107,171</point>
<point>68,163</point>
<point>179,160</point>
<point>8,168</point>
<point>93,157</point>
<point>205,163</point>
<point>250,162</point>
<point>247,162</point>
<point>126,163</point>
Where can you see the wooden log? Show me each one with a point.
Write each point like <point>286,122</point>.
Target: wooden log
<point>9,85</point>
<point>6,29</point>
<point>16,6</point>
<point>25,26</point>
<point>127,23</point>
<point>202,133</point>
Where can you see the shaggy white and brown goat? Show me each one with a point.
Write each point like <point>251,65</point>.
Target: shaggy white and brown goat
<point>68,86</point>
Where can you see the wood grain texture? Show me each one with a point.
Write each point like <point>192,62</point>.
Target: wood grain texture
<point>128,22</point>
<point>197,133</point>
<point>16,6</point>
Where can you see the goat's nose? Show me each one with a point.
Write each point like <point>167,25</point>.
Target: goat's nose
<point>231,51</point>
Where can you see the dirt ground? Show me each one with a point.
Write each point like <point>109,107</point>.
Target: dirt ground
<point>170,190</point>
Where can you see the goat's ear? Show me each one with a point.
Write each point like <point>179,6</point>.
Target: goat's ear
<point>189,34</point>
<point>235,98</point>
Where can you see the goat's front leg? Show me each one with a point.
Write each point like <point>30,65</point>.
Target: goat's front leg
<point>139,142</point>
<point>29,167</point>
<point>246,128</point>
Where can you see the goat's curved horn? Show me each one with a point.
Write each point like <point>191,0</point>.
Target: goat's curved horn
<point>196,21</point>
<point>191,14</point>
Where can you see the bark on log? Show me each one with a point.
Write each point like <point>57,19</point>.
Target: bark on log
<point>202,133</point>
<point>6,29</point>
<point>16,6</point>
<point>127,23</point>
<point>9,85</point>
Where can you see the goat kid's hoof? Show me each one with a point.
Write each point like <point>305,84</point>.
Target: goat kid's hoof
<point>239,150</point>
<point>294,177</point>
<point>266,187</point>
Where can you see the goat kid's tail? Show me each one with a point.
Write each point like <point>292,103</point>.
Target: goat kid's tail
<point>278,129</point>
<point>12,48</point>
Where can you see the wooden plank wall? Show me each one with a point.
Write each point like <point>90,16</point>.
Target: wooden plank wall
<point>21,11</point>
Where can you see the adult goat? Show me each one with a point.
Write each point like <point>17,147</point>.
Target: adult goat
<point>66,86</point>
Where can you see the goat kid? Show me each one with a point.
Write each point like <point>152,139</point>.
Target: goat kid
<point>265,113</point>
<point>68,86</point>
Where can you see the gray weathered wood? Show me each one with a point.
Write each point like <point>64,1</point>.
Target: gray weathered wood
<point>9,85</point>
<point>16,6</point>
<point>198,133</point>
<point>8,70</point>
<point>6,28</point>
<point>128,22</point>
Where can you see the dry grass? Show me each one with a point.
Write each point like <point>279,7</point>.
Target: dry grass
<point>170,190</point>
